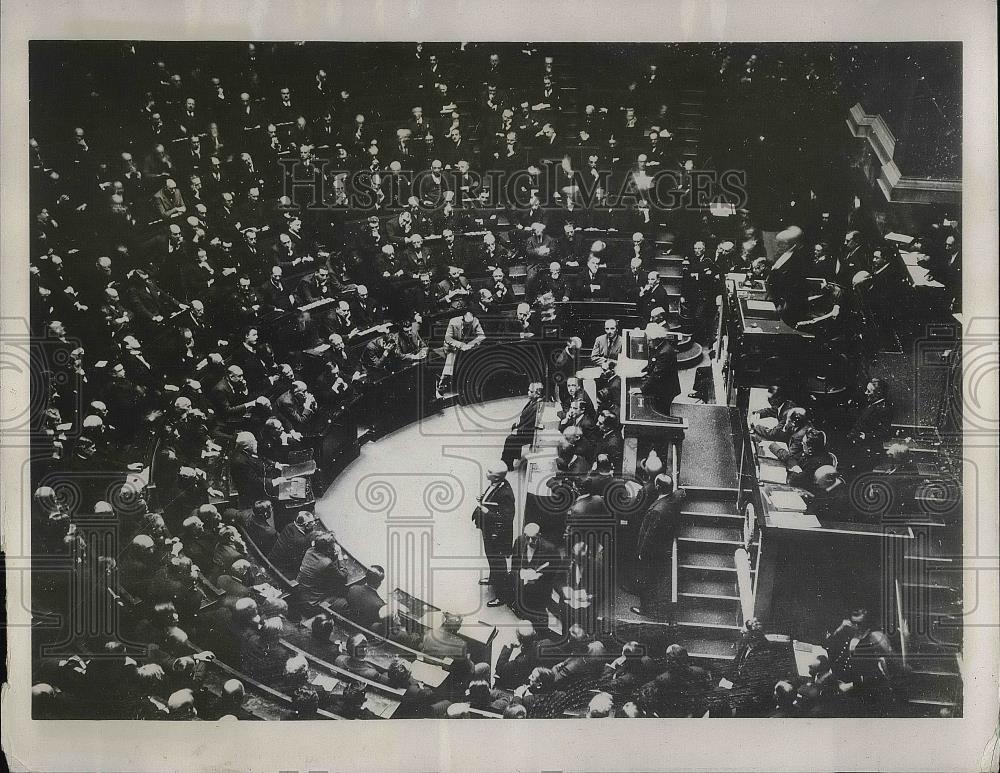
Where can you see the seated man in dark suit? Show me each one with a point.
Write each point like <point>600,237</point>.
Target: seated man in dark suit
<point>522,324</point>
<point>831,497</point>
<point>297,407</point>
<point>575,391</point>
<point>454,290</point>
<point>516,661</point>
<point>652,295</point>
<point>249,472</point>
<point>323,572</point>
<point>292,543</point>
<point>591,283</point>
<point>576,415</point>
<point>363,599</point>
<point>259,525</point>
<point>608,385</point>
<point>609,438</point>
<point>316,286</point>
<point>381,355</point>
<point>552,281</point>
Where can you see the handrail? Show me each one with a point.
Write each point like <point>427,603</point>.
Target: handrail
<point>444,663</point>
<point>901,621</point>
<point>742,560</point>
<point>260,687</point>
<point>342,671</point>
<point>673,573</point>
<point>287,583</point>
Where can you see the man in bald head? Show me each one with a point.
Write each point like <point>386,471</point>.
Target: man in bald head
<point>650,572</point>
<point>787,284</point>
<point>532,567</point>
<point>660,383</point>
<point>494,517</point>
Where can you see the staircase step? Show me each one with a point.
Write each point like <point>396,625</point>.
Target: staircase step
<point>696,531</point>
<point>945,664</point>
<point>710,649</point>
<point>715,587</point>
<point>702,560</point>
<point>709,506</point>
<point>690,612</point>
<point>935,689</point>
<point>935,679</point>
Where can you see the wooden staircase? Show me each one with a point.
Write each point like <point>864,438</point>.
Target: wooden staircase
<point>708,612</point>
<point>929,617</point>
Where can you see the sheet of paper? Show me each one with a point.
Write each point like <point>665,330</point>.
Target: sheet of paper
<point>805,656</point>
<point>753,305</point>
<point>788,500</point>
<point>920,277</point>
<point>772,473</point>
<point>325,681</point>
<point>428,673</point>
<point>381,705</point>
<point>764,449</point>
<point>793,520</point>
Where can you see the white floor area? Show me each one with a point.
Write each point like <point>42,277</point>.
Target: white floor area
<point>406,504</point>
<point>416,489</point>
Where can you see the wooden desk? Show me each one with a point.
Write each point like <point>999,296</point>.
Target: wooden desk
<point>808,570</point>
<point>752,338</point>
<point>426,617</point>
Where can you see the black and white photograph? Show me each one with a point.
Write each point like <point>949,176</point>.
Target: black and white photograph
<point>492,378</point>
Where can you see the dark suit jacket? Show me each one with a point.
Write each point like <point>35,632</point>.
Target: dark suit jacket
<point>525,424</point>
<point>583,289</point>
<point>320,576</point>
<point>659,523</point>
<point>787,286</point>
<point>661,382</point>
<point>545,553</point>
<point>363,604</point>
<point>228,405</point>
<point>497,525</point>
<point>249,474</point>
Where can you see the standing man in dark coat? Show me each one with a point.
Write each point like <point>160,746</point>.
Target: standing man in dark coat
<point>533,564</point>
<point>494,517</point>
<point>788,285</point>
<point>523,430</point>
<point>661,383</point>
<point>653,548</point>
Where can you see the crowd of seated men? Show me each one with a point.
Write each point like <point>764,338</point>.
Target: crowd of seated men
<point>193,312</point>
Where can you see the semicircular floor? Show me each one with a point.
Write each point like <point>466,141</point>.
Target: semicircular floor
<point>406,504</point>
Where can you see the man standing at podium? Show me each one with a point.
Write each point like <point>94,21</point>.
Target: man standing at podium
<point>660,384</point>
<point>494,517</point>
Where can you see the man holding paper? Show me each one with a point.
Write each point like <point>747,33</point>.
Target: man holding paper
<point>494,517</point>
<point>531,566</point>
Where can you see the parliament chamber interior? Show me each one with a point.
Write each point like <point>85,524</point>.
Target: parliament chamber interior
<point>507,380</point>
